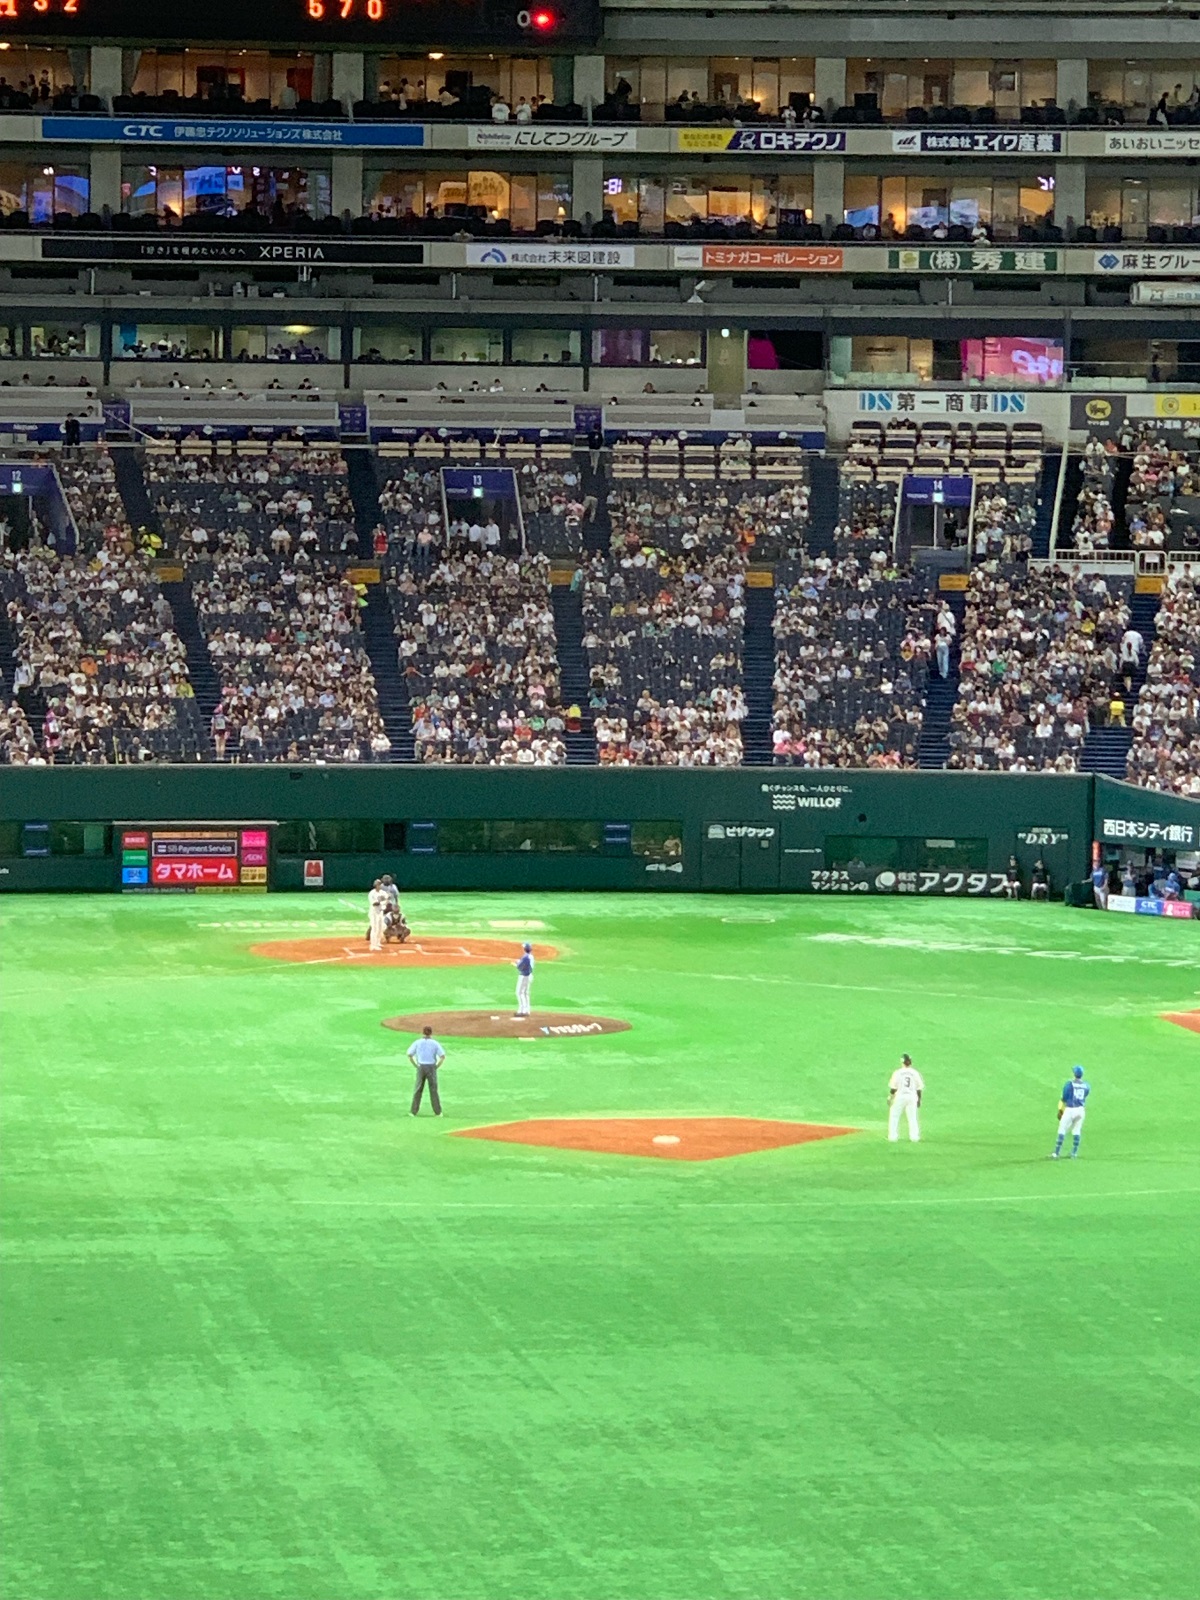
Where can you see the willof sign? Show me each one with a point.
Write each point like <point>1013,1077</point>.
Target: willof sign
<point>975,142</point>
<point>586,257</point>
<point>759,257</point>
<point>236,130</point>
<point>941,258</point>
<point>762,141</point>
<point>572,140</point>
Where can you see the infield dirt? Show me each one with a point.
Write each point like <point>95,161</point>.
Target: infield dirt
<point>700,1138</point>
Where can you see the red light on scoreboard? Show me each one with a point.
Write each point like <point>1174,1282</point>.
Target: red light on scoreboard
<point>543,21</point>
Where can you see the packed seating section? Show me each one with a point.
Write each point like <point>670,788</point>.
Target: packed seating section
<point>1165,753</point>
<point>251,497</point>
<point>99,671</point>
<point>1040,662</point>
<point>472,615</point>
<point>853,645</point>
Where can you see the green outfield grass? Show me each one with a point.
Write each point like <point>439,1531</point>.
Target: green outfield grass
<point>268,1338</point>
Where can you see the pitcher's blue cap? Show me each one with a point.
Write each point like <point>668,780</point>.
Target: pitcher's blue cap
<point>1078,1071</point>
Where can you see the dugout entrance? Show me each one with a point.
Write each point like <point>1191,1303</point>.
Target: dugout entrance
<point>737,855</point>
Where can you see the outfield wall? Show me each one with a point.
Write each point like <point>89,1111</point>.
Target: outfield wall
<point>760,829</point>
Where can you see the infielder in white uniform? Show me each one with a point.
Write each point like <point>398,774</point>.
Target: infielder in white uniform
<point>905,1088</point>
<point>524,979</point>
<point>376,906</point>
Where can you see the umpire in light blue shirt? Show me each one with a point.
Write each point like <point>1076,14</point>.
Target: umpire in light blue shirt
<point>427,1055</point>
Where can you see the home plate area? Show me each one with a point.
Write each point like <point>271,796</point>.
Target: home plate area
<point>667,1138</point>
<point>503,1025</point>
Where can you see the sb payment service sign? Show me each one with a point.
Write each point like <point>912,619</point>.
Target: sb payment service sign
<point>194,859</point>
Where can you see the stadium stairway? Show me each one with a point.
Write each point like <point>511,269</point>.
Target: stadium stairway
<point>364,494</point>
<point>824,479</point>
<point>8,665</point>
<point>1120,495</point>
<point>132,487</point>
<point>1072,484</point>
<point>597,530</point>
<point>379,639</point>
<point>1106,750</point>
<point>758,667</point>
<point>205,682</point>
<point>933,746</point>
<point>572,668</point>
<point>1043,527</point>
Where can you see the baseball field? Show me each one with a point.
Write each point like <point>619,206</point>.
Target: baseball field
<point>268,1337</point>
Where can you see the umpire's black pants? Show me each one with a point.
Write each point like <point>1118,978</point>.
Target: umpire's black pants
<point>427,1075</point>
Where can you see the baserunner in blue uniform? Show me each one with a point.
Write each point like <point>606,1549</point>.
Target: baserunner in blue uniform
<point>1071,1111</point>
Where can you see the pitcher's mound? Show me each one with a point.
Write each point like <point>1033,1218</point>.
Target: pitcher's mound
<point>1185,1019</point>
<point>418,952</point>
<point>665,1138</point>
<point>503,1025</point>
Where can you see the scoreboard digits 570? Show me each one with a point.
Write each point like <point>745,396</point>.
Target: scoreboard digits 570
<point>479,23</point>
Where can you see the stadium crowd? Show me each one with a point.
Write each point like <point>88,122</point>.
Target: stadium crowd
<point>1165,753</point>
<point>296,684</point>
<point>477,651</point>
<point>96,654</point>
<point>1039,664</point>
<point>288,500</point>
<point>853,646</point>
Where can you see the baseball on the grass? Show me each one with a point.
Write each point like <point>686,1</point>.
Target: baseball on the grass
<point>665,1138</point>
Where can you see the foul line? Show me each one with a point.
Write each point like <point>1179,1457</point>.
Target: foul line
<point>708,1205</point>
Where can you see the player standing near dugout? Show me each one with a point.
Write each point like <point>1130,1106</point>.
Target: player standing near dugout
<point>1072,1109</point>
<point>905,1088</point>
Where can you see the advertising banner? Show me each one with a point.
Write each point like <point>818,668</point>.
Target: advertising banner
<point>943,402</point>
<point>580,141</point>
<point>1100,413</point>
<point>236,130</point>
<point>976,142</point>
<point>574,257</point>
<point>1127,830</point>
<point>762,141</point>
<point>1149,907</point>
<point>1154,142</point>
<point>279,252</point>
<point>1166,294</point>
<point>935,882</point>
<point>314,874</point>
<point>1168,263</point>
<point>940,258</point>
<point>759,257</point>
